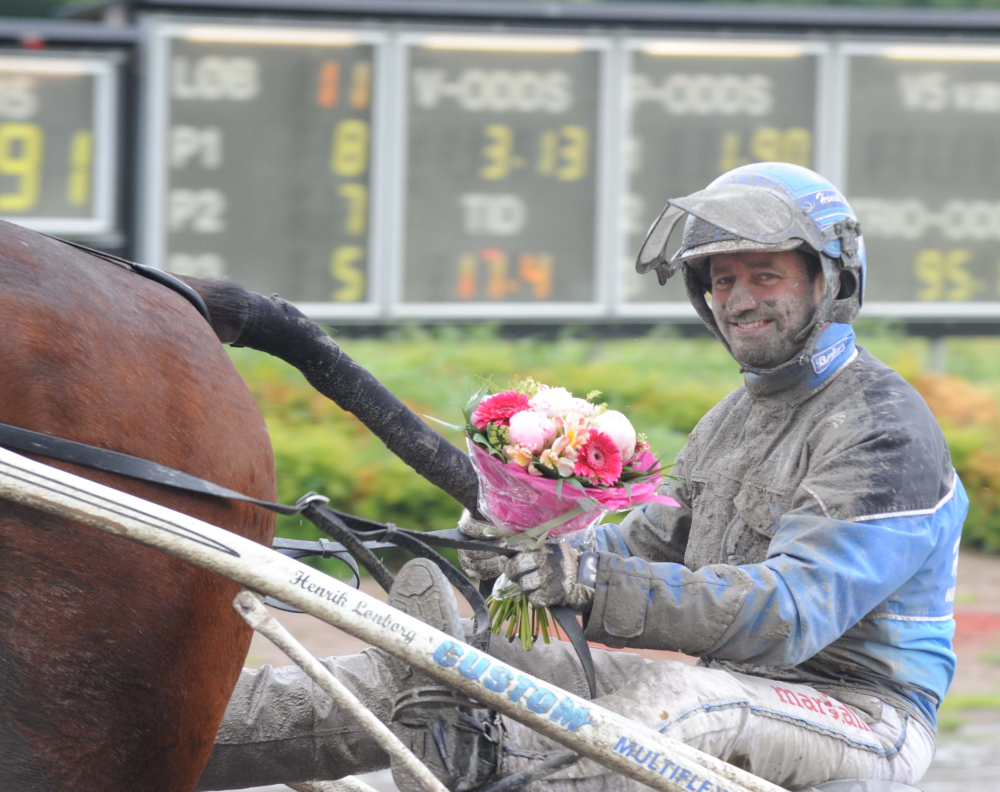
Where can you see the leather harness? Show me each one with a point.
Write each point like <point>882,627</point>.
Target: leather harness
<point>355,537</point>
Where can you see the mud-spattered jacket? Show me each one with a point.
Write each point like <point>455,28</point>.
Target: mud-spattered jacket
<point>817,539</point>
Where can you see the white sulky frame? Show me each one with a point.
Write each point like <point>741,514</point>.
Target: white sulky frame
<point>581,725</point>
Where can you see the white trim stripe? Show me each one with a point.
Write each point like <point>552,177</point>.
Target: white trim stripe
<point>915,512</point>
<point>894,617</point>
<point>849,361</point>
<point>818,500</point>
<point>828,375</point>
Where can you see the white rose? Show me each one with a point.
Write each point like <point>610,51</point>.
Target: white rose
<point>584,408</point>
<point>532,429</point>
<point>619,429</point>
<point>554,402</point>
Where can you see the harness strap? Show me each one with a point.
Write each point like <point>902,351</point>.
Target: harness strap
<point>161,277</point>
<point>356,535</point>
<point>31,442</point>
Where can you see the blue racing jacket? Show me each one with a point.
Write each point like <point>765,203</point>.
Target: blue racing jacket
<point>816,541</point>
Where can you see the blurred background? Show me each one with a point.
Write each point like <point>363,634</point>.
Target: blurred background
<point>458,191</point>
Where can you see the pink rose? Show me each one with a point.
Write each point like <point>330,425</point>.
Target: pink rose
<point>532,429</point>
<point>554,402</point>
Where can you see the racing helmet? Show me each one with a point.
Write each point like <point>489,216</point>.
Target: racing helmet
<point>766,206</point>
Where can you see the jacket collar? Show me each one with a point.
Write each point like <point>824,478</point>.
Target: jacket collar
<point>834,350</point>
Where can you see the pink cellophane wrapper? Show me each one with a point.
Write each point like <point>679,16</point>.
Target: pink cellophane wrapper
<point>515,501</point>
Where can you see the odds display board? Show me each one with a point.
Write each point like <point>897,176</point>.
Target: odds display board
<point>922,172</point>
<point>385,169</point>
<point>262,158</point>
<point>697,109</point>
<point>502,157</point>
<point>58,131</point>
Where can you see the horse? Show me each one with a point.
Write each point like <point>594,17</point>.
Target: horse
<point>116,661</point>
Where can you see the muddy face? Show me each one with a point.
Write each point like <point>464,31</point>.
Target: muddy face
<point>761,302</point>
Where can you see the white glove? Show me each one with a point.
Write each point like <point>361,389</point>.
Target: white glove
<point>551,576</point>
<point>479,564</point>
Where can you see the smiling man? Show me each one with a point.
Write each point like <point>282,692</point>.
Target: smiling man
<point>810,565</point>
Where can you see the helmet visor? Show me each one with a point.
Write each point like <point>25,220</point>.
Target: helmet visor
<point>654,247</point>
<point>729,213</point>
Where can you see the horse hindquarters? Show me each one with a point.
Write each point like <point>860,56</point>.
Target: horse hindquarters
<point>116,662</point>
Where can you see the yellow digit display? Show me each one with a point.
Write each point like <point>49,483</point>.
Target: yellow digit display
<point>356,196</point>
<point>548,144</point>
<point>767,144</point>
<point>573,153</point>
<point>496,152</point>
<point>345,267</point>
<point>80,152</point>
<point>349,148</point>
<point>21,157</point>
<point>563,153</point>
<point>944,275</point>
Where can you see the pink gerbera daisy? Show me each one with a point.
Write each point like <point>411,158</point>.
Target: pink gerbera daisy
<point>599,460</point>
<point>498,408</point>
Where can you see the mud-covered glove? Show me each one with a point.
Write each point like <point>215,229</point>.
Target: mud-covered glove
<point>551,576</point>
<point>479,564</point>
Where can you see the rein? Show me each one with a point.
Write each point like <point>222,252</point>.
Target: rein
<point>356,537</point>
<point>312,506</point>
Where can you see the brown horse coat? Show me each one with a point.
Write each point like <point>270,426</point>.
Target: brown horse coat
<point>116,661</point>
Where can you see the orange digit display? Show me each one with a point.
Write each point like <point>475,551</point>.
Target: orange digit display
<point>361,85</point>
<point>465,286</point>
<point>498,285</point>
<point>536,270</point>
<point>328,90</point>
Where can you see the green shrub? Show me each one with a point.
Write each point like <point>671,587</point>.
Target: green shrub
<point>663,384</point>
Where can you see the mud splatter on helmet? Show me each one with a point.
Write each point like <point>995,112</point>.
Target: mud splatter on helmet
<point>767,206</point>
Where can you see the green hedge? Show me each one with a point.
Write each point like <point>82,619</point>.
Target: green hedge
<point>663,384</point>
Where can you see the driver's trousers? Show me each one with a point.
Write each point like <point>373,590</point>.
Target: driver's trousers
<point>281,728</point>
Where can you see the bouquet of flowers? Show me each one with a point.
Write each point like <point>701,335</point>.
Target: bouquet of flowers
<point>551,465</point>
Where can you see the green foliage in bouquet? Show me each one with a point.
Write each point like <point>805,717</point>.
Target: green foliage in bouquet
<point>515,617</point>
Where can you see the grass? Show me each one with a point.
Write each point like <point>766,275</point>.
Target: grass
<point>952,714</point>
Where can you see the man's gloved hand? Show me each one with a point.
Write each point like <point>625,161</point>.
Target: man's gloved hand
<point>551,576</point>
<point>479,564</point>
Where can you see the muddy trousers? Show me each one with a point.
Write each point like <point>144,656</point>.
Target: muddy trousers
<point>281,728</point>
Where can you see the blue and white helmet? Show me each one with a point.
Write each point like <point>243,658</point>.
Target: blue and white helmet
<point>765,206</point>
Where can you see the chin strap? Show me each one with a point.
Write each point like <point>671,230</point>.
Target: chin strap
<point>800,359</point>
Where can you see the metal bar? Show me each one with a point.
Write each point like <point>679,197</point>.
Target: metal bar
<point>346,784</point>
<point>249,606</point>
<point>574,722</point>
<point>730,15</point>
<point>68,31</point>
